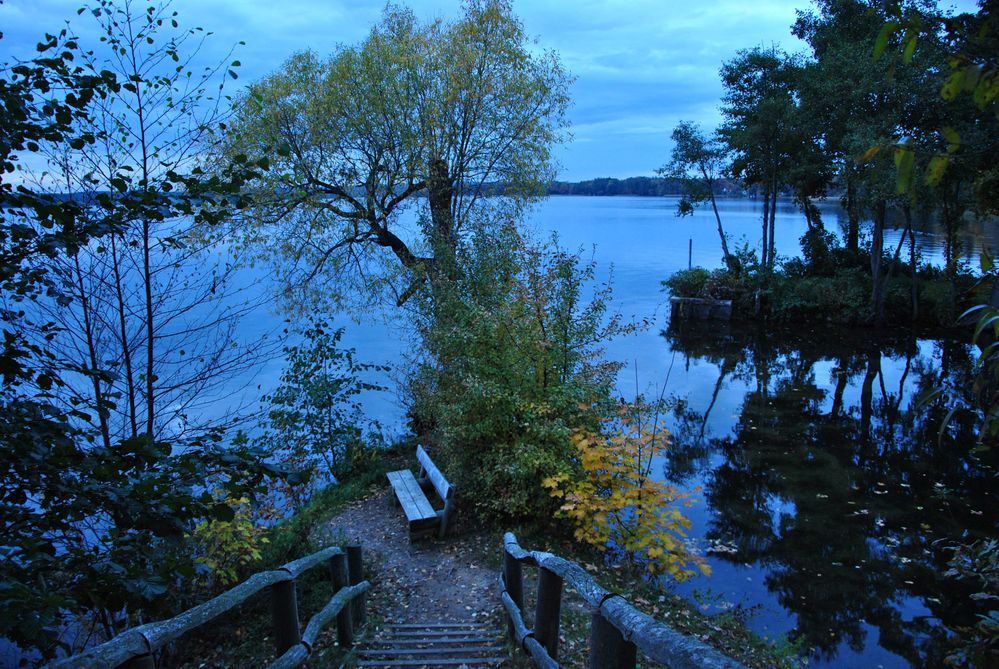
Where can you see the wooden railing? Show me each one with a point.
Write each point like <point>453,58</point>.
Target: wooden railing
<point>134,649</point>
<point>617,629</point>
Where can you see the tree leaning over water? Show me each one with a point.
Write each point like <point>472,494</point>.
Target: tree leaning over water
<point>453,110</point>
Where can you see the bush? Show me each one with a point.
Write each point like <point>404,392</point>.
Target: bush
<point>511,369</point>
<point>687,282</point>
<point>842,298</point>
<point>617,504</point>
<point>315,417</point>
<point>817,246</point>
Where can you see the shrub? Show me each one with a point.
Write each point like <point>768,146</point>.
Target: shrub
<point>817,246</point>
<point>841,298</point>
<point>687,282</point>
<point>315,418</point>
<point>511,355</point>
<point>225,548</point>
<point>617,504</point>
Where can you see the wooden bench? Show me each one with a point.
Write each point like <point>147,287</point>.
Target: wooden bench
<point>410,494</point>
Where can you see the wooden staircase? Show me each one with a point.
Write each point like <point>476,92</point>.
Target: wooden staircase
<point>434,645</point>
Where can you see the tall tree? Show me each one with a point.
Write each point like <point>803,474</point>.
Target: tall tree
<point>759,108</point>
<point>154,304</point>
<point>697,162</point>
<point>92,533</point>
<point>864,104</point>
<point>453,110</point>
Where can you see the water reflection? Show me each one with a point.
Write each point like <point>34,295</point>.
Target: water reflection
<point>831,479</point>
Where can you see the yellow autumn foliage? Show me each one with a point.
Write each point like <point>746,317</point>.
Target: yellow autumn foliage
<point>226,547</point>
<point>617,505</point>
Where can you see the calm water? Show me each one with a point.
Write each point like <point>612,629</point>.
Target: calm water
<point>826,501</point>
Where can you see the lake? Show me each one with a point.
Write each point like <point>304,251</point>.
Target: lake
<point>826,503</point>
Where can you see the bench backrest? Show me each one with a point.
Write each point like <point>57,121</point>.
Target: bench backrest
<point>434,474</point>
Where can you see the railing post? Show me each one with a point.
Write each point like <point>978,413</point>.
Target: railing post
<point>284,609</point>
<point>608,647</point>
<point>344,621</point>
<point>513,580</point>
<point>355,569</point>
<point>546,616</point>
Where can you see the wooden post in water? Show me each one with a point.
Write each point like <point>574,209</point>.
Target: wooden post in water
<point>548,610</point>
<point>284,610</point>
<point>355,569</point>
<point>513,579</point>
<point>608,647</point>
<point>344,621</point>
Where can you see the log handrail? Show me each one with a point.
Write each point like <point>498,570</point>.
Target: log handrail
<point>140,642</point>
<point>628,625</point>
<point>299,653</point>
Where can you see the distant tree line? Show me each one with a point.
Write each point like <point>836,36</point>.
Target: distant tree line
<point>643,186</point>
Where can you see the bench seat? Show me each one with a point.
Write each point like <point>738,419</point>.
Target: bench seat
<point>414,503</point>
<point>411,495</point>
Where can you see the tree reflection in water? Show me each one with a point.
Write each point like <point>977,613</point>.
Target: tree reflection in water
<point>833,479</point>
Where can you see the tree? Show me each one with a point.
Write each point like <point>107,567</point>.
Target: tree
<point>315,414</point>
<point>697,163</point>
<point>94,532</point>
<point>759,109</point>
<point>455,110</point>
<point>510,365</point>
<point>862,106</point>
<point>153,304</point>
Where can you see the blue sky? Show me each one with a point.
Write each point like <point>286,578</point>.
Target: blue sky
<point>640,65</point>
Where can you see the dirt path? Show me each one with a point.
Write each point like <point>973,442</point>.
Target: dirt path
<point>448,580</point>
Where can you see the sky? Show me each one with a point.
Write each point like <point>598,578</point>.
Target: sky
<point>640,66</point>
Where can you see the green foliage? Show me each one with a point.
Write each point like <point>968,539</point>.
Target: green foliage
<point>512,368</point>
<point>95,530</point>
<point>445,108</point>
<point>842,297</point>
<point>697,163</point>
<point>977,565</point>
<point>687,282</point>
<point>315,417</point>
<point>225,548</point>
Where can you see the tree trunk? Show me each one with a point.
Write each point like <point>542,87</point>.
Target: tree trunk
<point>726,256</point>
<point>773,219</point>
<point>440,194</point>
<point>764,255</point>
<point>914,285</point>
<point>877,265</point>
<point>853,219</point>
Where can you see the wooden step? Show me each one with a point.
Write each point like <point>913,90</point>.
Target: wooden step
<point>470,644</point>
<point>434,626</point>
<point>437,640</point>
<point>447,650</point>
<point>469,662</point>
<point>431,634</point>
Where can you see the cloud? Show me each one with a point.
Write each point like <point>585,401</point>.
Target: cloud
<point>640,65</point>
